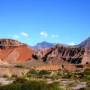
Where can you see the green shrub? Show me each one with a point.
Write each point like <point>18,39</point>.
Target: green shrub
<point>44,72</point>
<point>14,76</point>
<point>19,66</point>
<point>67,75</point>
<point>5,76</point>
<point>86,74</point>
<point>32,72</point>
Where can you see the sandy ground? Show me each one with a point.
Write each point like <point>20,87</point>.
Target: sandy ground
<point>5,81</point>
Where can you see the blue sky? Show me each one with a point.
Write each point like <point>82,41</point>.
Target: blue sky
<point>32,21</point>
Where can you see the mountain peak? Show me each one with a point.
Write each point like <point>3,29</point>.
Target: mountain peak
<point>85,43</point>
<point>44,44</point>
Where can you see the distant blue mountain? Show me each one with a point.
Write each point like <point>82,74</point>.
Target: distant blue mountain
<point>44,44</point>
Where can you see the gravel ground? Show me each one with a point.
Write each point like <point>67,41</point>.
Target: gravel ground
<point>5,81</point>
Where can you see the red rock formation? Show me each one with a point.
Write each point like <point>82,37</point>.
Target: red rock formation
<point>64,55</point>
<point>40,52</point>
<point>12,51</point>
<point>50,67</point>
<point>9,42</point>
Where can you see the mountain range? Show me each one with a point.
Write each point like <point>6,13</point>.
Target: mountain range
<point>13,51</point>
<point>44,44</point>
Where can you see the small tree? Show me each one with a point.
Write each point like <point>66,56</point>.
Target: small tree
<point>31,73</point>
<point>44,72</point>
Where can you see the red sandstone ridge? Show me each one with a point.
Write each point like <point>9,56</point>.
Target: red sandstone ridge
<point>9,42</point>
<point>12,51</point>
<point>64,55</point>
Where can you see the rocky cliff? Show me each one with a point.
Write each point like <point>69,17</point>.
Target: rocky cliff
<point>12,51</point>
<point>64,55</point>
<point>9,42</point>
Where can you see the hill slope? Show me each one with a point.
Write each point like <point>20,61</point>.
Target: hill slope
<point>12,51</point>
<point>85,43</point>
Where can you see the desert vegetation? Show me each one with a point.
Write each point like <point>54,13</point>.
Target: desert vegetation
<point>23,84</point>
<point>19,66</point>
<point>48,80</point>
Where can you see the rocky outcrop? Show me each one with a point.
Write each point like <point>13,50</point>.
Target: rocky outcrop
<point>12,51</point>
<point>64,55</point>
<point>9,42</point>
<point>39,53</point>
<point>86,57</point>
<point>61,54</point>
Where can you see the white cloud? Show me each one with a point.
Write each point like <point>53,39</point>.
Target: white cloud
<point>24,34</point>
<point>54,35</point>
<point>44,34</point>
<point>72,43</point>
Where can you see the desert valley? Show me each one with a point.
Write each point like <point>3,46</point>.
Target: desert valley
<point>18,59</point>
<point>44,44</point>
